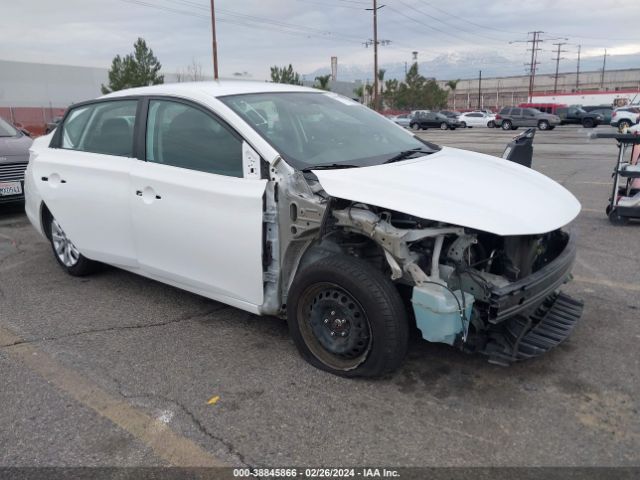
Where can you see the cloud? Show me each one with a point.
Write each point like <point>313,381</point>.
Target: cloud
<point>255,34</point>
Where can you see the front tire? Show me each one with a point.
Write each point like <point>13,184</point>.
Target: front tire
<point>444,126</point>
<point>347,318</point>
<point>415,127</point>
<point>491,124</point>
<point>588,123</point>
<point>66,253</point>
<point>463,125</point>
<point>543,125</point>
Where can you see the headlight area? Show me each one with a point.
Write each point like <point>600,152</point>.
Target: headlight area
<point>480,292</point>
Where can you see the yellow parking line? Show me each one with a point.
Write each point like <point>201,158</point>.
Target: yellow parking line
<point>166,444</point>
<point>590,183</point>
<point>608,283</point>
<point>593,210</point>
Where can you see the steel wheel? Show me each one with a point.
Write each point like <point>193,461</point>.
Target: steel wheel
<point>444,126</point>
<point>66,251</point>
<point>335,326</point>
<point>415,127</point>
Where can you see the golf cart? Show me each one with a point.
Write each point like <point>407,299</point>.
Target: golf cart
<point>624,202</point>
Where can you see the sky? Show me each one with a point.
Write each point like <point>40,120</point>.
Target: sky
<point>255,34</point>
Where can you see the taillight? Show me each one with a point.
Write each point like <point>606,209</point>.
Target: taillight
<point>614,114</point>
<point>498,117</point>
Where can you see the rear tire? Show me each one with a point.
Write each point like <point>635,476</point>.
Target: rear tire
<point>543,125</point>
<point>588,123</point>
<point>616,219</point>
<point>347,318</point>
<point>491,124</point>
<point>507,125</point>
<point>66,253</point>
<point>463,125</point>
<point>444,126</point>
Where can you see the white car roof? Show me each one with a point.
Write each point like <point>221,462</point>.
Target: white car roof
<point>211,89</point>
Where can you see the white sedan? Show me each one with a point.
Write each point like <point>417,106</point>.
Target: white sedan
<point>289,201</point>
<point>478,119</point>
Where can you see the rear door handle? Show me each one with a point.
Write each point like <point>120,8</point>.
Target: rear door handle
<point>140,194</point>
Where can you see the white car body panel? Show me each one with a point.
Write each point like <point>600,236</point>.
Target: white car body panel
<point>460,188</point>
<point>205,232</point>
<point>89,194</point>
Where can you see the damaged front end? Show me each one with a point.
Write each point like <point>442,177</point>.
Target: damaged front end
<point>478,291</point>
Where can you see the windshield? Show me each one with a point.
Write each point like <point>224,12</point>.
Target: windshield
<point>7,130</point>
<point>323,129</point>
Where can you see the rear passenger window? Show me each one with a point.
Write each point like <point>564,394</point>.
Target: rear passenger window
<point>515,111</point>
<point>74,126</point>
<point>184,136</point>
<point>505,111</point>
<point>105,127</point>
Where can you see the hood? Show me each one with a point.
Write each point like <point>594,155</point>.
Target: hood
<point>460,188</point>
<point>14,147</point>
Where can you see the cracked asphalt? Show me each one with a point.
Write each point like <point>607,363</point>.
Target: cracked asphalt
<point>117,370</point>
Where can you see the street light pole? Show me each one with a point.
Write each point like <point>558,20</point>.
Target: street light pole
<point>214,43</point>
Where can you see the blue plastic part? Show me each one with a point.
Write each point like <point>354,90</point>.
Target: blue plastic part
<point>438,313</point>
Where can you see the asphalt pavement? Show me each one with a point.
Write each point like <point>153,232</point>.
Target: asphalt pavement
<point>118,370</point>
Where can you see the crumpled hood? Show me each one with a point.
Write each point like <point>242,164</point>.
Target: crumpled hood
<point>460,188</point>
<point>15,146</point>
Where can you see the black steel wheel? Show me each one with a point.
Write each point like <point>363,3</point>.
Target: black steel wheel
<point>345,317</point>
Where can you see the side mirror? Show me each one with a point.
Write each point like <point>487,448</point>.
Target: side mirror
<point>26,132</point>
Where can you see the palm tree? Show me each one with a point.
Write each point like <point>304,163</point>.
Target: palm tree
<point>381,73</point>
<point>359,92</point>
<point>453,84</point>
<point>322,82</point>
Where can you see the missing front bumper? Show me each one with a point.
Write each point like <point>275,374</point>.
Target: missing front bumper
<point>526,336</point>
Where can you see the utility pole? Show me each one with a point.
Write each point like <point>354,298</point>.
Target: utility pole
<point>480,90</point>
<point>604,67</point>
<point>578,70</point>
<point>214,42</point>
<point>375,42</point>
<point>534,57</point>
<point>557,59</point>
<point>375,52</point>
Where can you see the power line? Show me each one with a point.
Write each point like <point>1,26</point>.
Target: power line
<point>410,7</point>
<point>484,27</point>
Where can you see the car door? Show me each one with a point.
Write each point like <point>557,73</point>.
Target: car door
<point>197,220</point>
<point>475,119</point>
<point>529,118</point>
<point>84,179</point>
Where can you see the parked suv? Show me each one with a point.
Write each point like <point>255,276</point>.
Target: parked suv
<point>422,121</point>
<point>625,117</point>
<point>578,116</point>
<point>511,118</point>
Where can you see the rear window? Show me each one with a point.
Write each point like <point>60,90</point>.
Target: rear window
<point>105,127</point>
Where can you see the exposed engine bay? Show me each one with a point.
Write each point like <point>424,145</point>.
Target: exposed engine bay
<point>480,292</point>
